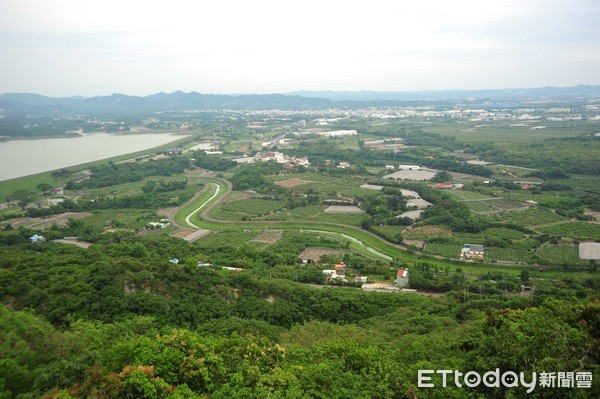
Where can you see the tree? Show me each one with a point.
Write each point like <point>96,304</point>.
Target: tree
<point>44,188</point>
<point>441,176</point>
<point>23,197</point>
<point>524,276</point>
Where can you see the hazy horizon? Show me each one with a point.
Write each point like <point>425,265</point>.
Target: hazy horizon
<point>295,92</point>
<point>64,48</point>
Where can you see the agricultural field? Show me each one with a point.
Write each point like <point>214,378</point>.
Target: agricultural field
<point>576,230</point>
<point>268,237</point>
<point>254,207</point>
<point>225,239</point>
<point>530,217</point>
<point>468,195</point>
<point>480,207</point>
<point>451,251</point>
<point>425,232</point>
<point>391,233</point>
<point>45,222</point>
<point>558,254</point>
<point>504,204</point>
<point>293,182</point>
<point>131,219</point>
<point>502,134</point>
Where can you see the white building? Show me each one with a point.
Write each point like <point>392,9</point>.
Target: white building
<point>409,167</point>
<point>339,133</point>
<point>402,278</point>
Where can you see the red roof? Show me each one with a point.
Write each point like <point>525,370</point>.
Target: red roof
<point>402,273</point>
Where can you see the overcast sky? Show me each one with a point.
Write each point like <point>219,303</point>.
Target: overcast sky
<point>76,47</point>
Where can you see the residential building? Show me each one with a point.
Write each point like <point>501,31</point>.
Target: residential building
<point>471,251</point>
<point>402,278</point>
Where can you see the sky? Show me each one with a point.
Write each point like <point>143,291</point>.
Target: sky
<point>88,48</point>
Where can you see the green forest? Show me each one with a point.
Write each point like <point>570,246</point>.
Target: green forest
<point>118,320</point>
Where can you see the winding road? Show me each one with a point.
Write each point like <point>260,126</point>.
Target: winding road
<point>224,186</point>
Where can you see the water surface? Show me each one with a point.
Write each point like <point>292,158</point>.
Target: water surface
<point>26,157</point>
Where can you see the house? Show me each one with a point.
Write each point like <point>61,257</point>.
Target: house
<point>340,269</point>
<point>344,165</point>
<point>37,238</point>
<point>402,278</point>
<point>174,261</point>
<point>470,251</point>
<point>360,279</point>
<point>390,167</point>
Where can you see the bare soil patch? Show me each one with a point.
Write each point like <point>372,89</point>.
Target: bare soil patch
<point>42,223</point>
<point>314,253</point>
<point>166,211</point>
<point>415,233</point>
<point>237,196</point>
<point>269,237</point>
<point>293,182</point>
<point>190,235</point>
<point>343,209</point>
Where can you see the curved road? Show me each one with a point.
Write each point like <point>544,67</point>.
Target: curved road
<point>187,218</point>
<point>227,187</point>
<point>221,196</point>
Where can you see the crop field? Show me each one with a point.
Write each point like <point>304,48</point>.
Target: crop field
<point>121,218</point>
<point>225,239</point>
<point>254,206</point>
<point>494,233</point>
<point>343,209</point>
<point>293,182</point>
<point>237,196</point>
<point>268,236</point>
<point>500,133</point>
<point>505,204</point>
<point>315,213</point>
<point>314,254</point>
<point>391,233</point>
<point>445,250</point>
<point>558,254</point>
<point>576,230</point>
<point>467,195</point>
<point>424,232</point>
<point>530,217</point>
<point>479,207</point>
<point>42,223</point>
<point>514,254</point>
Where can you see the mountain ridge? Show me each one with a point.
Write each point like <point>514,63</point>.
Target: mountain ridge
<point>182,101</point>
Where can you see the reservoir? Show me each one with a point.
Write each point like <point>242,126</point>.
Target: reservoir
<point>26,157</point>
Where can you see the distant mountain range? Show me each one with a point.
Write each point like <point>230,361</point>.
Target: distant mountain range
<point>124,104</point>
<point>436,95</point>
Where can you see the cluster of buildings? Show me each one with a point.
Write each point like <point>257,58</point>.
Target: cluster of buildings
<point>446,186</point>
<point>472,251</point>
<point>275,156</point>
<point>339,272</point>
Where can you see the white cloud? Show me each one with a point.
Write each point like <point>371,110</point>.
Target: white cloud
<point>139,47</point>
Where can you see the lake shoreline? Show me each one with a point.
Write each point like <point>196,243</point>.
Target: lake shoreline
<point>30,181</point>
